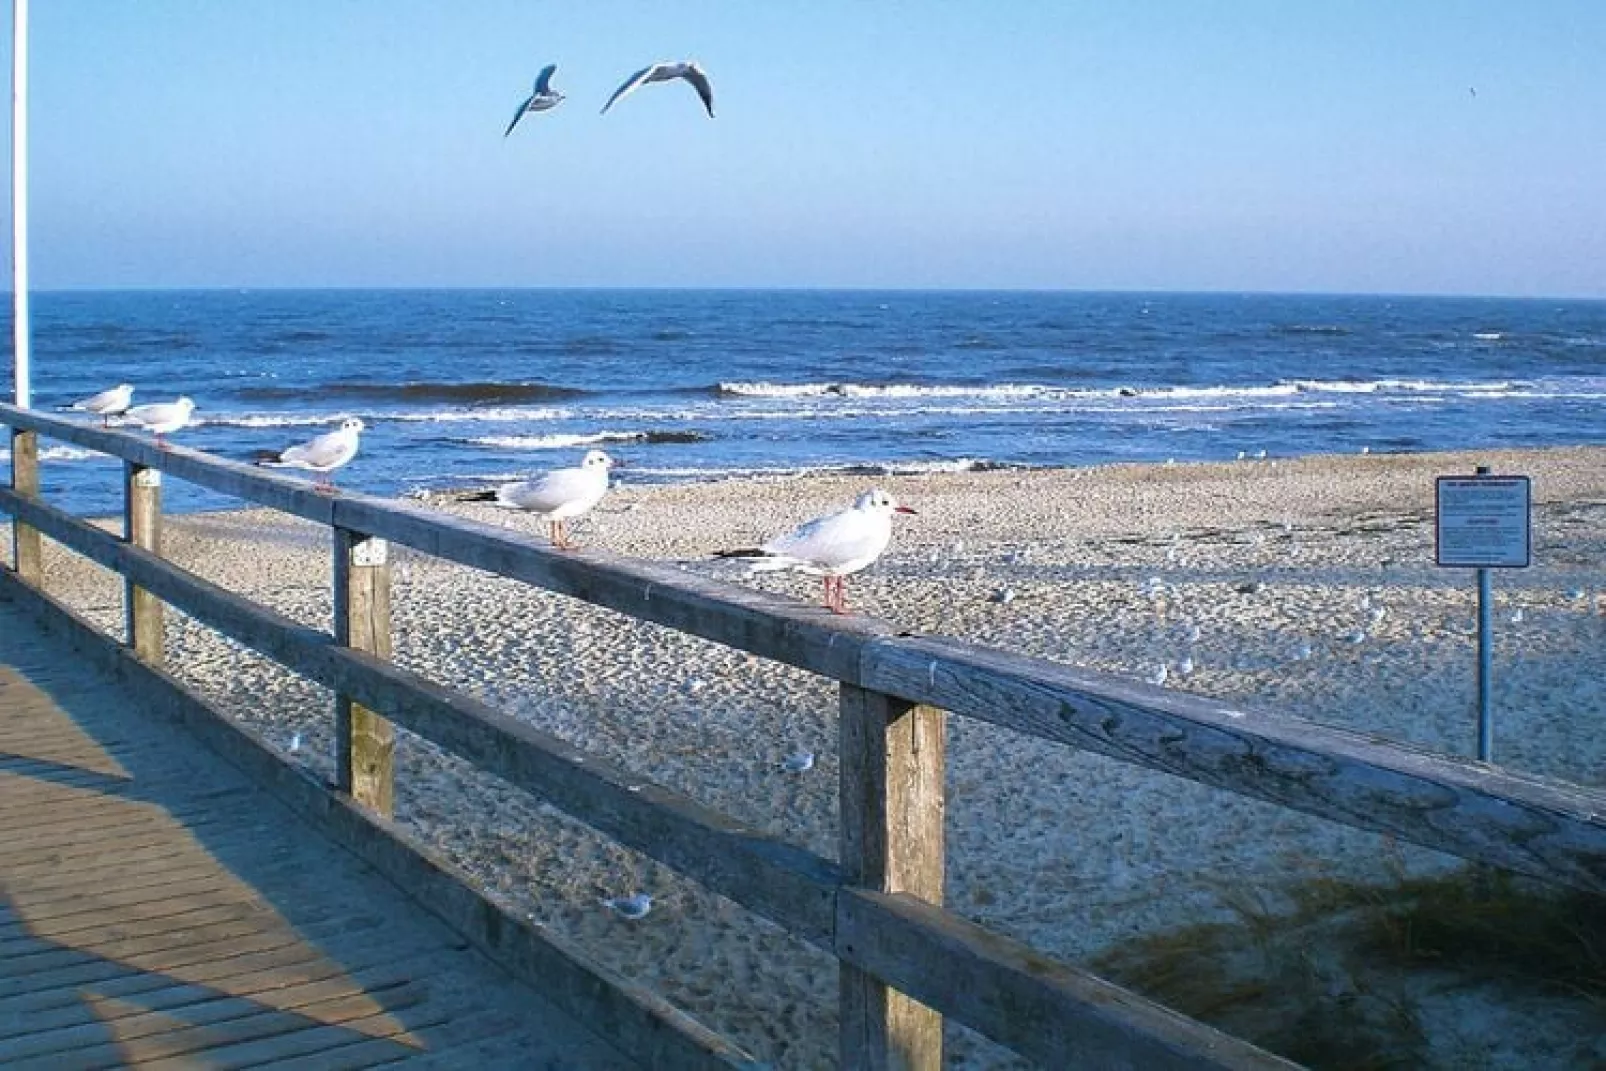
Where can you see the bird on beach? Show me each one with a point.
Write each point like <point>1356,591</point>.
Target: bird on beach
<point>160,418</point>
<point>832,547</point>
<point>667,72</point>
<point>543,99</point>
<point>561,495</point>
<point>106,404</point>
<point>322,455</point>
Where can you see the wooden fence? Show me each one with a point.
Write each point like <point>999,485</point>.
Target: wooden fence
<point>904,961</point>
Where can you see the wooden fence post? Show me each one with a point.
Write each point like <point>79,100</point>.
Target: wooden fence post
<point>366,742</point>
<point>892,808</point>
<point>25,546</point>
<point>142,527</point>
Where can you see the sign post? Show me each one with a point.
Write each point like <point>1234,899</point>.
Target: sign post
<point>1483,522</point>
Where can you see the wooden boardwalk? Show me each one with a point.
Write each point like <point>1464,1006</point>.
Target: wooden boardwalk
<point>158,910</point>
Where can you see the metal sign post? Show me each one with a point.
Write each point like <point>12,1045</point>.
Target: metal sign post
<point>1483,522</point>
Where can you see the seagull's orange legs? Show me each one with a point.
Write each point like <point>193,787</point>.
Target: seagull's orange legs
<point>836,594</point>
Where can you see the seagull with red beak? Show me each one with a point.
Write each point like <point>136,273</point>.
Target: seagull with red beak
<point>832,547</point>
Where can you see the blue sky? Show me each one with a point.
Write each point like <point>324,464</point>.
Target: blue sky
<point>1161,146</point>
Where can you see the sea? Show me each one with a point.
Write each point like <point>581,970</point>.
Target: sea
<point>466,388</point>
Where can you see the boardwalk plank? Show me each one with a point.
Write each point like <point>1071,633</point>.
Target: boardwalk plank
<point>208,963</point>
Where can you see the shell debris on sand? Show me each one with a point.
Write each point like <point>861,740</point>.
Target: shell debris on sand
<point>798,762</point>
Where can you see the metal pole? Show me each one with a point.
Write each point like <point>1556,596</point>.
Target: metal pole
<point>1485,666</point>
<point>1485,658</point>
<point>19,201</point>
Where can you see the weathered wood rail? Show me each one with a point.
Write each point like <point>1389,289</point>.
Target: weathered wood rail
<point>905,961</point>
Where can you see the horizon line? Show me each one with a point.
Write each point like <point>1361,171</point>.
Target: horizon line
<point>1132,292</point>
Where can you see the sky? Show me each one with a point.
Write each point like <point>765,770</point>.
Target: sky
<point>1417,146</point>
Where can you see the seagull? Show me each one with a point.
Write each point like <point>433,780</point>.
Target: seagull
<point>667,72</point>
<point>106,404</point>
<point>832,547</point>
<point>561,494</point>
<point>322,455</point>
<point>631,907</point>
<point>545,98</point>
<point>162,417</point>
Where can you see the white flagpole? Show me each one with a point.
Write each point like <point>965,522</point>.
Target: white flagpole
<point>19,200</point>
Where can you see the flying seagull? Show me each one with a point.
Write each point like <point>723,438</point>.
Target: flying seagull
<point>322,455</point>
<point>561,494</point>
<point>162,417</point>
<point>106,404</point>
<point>545,98</point>
<point>667,72</point>
<point>832,547</point>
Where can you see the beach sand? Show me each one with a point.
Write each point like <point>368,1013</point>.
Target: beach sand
<point>1299,586</point>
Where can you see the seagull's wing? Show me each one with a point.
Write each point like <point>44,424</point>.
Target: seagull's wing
<point>518,115</point>
<point>699,82</point>
<point>97,402</point>
<point>634,82</point>
<point>828,541</point>
<point>543,81</point>
<point>545,493</point>
<point>328,451</point>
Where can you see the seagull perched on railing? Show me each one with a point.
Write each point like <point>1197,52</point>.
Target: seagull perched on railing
<point>832,547</point>
<point>667,72</point>
<point>561,495</point>
<point>106,404</point>
<point>322,455</point>
<point>545,98</point>
<point>162,417</point>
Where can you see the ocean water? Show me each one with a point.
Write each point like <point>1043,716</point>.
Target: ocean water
<point>468,387</point>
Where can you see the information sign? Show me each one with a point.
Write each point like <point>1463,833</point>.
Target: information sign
<point>1483,522</point>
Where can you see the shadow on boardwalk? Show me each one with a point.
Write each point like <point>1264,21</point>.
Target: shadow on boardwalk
<point>156,909</point>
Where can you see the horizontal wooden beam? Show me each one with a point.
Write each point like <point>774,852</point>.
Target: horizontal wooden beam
<point>1549,829</point>
<point>780,881</point>
<point>785,630</point>
<point>284,493</point>
<point>1046,1011</point>
<point>631,1017</point>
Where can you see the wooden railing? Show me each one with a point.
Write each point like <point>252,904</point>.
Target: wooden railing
<point>904,960</point>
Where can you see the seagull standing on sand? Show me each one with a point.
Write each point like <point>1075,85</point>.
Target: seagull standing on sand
<point>832,547</point>
<point>562,494</point>
<point>162,417</point>
<point>106,404</point>
<point>322,455</point>
<point>667,72</point>
<point>545,98</point>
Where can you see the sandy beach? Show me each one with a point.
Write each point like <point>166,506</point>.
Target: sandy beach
<point>1300,586</point>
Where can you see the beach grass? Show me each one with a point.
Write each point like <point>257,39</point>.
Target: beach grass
<point>1346,978</point>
